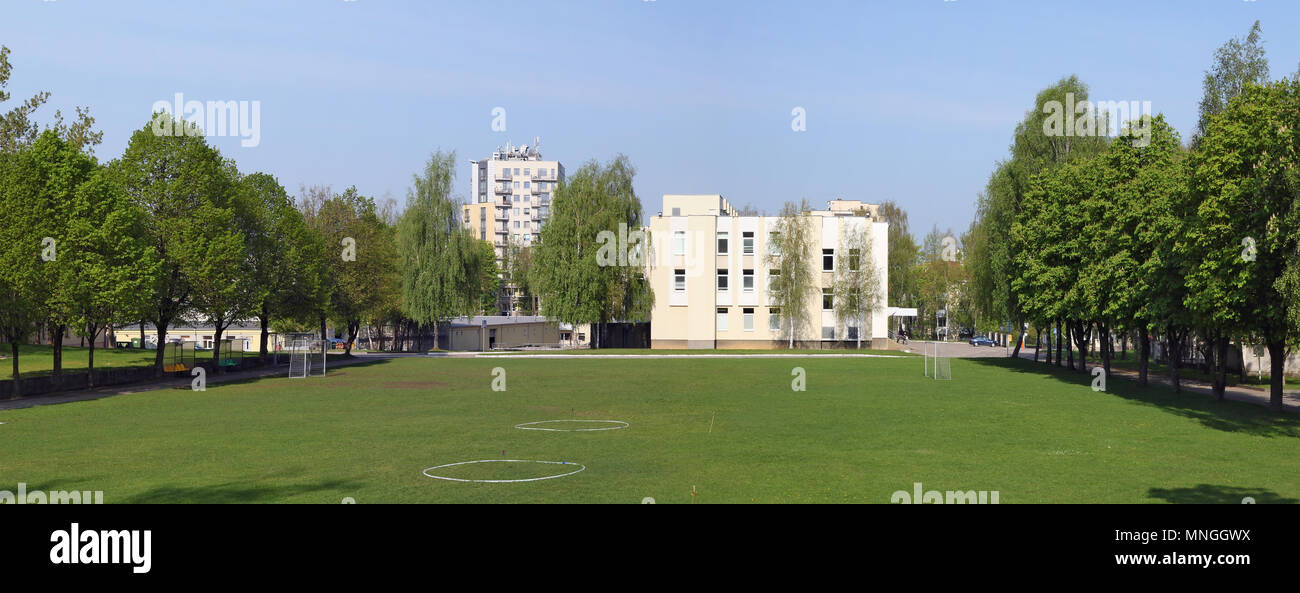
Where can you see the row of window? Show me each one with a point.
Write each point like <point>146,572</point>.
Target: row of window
<point>747,248</point>
<point>526,198</point>
<point>747,318</point>
<point>529,172</point>
<point>747,284</point>
<point>774,322</point>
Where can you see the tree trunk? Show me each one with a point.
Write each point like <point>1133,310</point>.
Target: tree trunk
<point>1020,329</point>
<point>90,358</point>
<point>1103,330</point>
<point>13,353</point>
<point>1038,342</point>
<point>1277,359</point>
<point>1145,363</point>
<point>324,339</point>
<point>1174,351</point>
<point>216,348</point>
<point>265,320</point>
<point>1221,373</point>
<point>158,354</point>
<point>56,340</point>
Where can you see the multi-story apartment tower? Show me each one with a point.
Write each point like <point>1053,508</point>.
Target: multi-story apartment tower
<point>710,272</point>
<point>509,200</point>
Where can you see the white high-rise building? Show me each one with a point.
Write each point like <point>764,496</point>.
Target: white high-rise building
<point>509,201</point>
<point>510,195</point>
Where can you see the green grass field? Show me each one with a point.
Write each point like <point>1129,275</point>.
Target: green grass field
<point>863,429</point>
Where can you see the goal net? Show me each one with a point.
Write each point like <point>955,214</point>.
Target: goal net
<point>937,366</point>
<point>306,357</point>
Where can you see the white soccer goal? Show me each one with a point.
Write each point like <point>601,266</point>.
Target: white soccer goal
<point>937,366</point>
<point>306,357</point>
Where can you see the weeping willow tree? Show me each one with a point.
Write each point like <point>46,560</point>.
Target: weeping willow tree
<point>440,264</point>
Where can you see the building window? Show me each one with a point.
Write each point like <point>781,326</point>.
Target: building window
<point>722,280</point>
<point>722,319</point>
<point>516,224</point>
<point>526,199</point>
<point>527,237</point>
<point>774,243</point>
<point>516,172</point>
<point>747,280</point>
<point>679,280</point>
<point>525,211</point>
<point>828,332</point>
<point>679,242</point>
<point>516,185</point>
<point>852,332</point>
<point>828,260</point>
<point>828,299</point>
<point>527,185</point>
<point>527,172</point>
<point>516,212</point>
<point>747,241</point>
<point>748,316</point>
<point>855,257</point>
<point>774,319</point>
<point>516,198</point>
<point>677,211</point>
<point>722,243</point>
<point>773,281</point>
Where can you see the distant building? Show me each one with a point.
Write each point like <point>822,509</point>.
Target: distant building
<point>510,199</point>
<point>494,332</point>
<point>710,276</point>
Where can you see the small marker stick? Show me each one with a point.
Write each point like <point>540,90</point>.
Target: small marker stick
<point>715,415</point>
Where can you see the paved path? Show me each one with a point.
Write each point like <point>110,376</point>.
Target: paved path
<point>169,383</point>
<point>1241,393</point>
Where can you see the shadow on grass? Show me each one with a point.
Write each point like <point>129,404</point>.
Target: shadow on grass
<point>285,373</point>
<point>235,492</point>
<point>1228,415</point>
<point>1212,494</point>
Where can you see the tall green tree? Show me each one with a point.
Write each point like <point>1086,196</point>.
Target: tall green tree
<point>1244,179</point>
<point>441,266</point>
<point>173,178</point>
<point>1238,63</point>
<point>572,283</point>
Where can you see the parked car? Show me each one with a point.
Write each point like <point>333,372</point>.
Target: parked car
<point>982,341</point>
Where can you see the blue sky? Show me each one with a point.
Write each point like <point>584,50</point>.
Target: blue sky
<point>911,100</point>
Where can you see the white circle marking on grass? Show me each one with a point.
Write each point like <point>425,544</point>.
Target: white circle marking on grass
<point>530,425</point>
<point>427,470</point>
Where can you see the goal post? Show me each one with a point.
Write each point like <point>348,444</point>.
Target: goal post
<point>937,366</point>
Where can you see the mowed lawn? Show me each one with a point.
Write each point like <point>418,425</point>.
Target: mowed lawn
<point>863,429</point>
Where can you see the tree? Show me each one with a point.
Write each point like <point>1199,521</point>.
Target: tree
<point>903,255</point>
<point>857,287</point>
<point>1244,179</point>
<point>18,128</point>
<point>218,268</point>
<point>106,263</point>
<point>490,284</point>
<point>790,255</point>
<point>1238,63</point>
<point>361,260</point>
<point>441,266</point>
<point>173,178</point>
<point>573,284</point>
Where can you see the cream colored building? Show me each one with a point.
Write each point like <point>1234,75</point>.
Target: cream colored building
<point>709,270</point>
